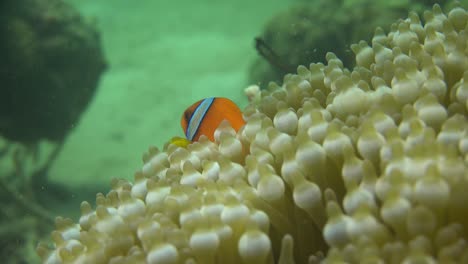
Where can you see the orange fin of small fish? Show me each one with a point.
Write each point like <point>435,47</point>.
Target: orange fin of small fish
<point>181,142</point>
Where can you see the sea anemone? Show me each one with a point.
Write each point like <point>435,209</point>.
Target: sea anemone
<point>334,166</point>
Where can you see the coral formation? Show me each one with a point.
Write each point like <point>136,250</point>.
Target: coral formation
<point>336,165</point>
<point>50,67</point>
<point>29,201</point>
<point>24,219</point>
<point>305,33</point>
<point>51,61</point>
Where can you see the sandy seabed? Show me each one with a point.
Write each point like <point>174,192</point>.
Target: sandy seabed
<point>162,56</point>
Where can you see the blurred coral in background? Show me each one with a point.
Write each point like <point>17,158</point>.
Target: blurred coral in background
<point>51,62</point>
<point>305,32</point>
<point>50,68</point>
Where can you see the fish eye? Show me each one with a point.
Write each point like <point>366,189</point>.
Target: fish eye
<point>187,115</point>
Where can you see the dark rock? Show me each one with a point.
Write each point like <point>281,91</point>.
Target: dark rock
<point>49,71</point>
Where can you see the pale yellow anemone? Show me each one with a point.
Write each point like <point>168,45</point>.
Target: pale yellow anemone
<point>360,166</point>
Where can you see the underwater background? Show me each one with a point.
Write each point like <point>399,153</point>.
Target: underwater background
<point>162,58</point>
<point>158,58</point>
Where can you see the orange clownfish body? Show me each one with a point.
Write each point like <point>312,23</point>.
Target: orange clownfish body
<point>204,117</point>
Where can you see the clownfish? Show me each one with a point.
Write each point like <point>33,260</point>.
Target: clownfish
<point>204,117</point>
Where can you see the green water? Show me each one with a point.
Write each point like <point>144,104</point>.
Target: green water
<point>161,57</point>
